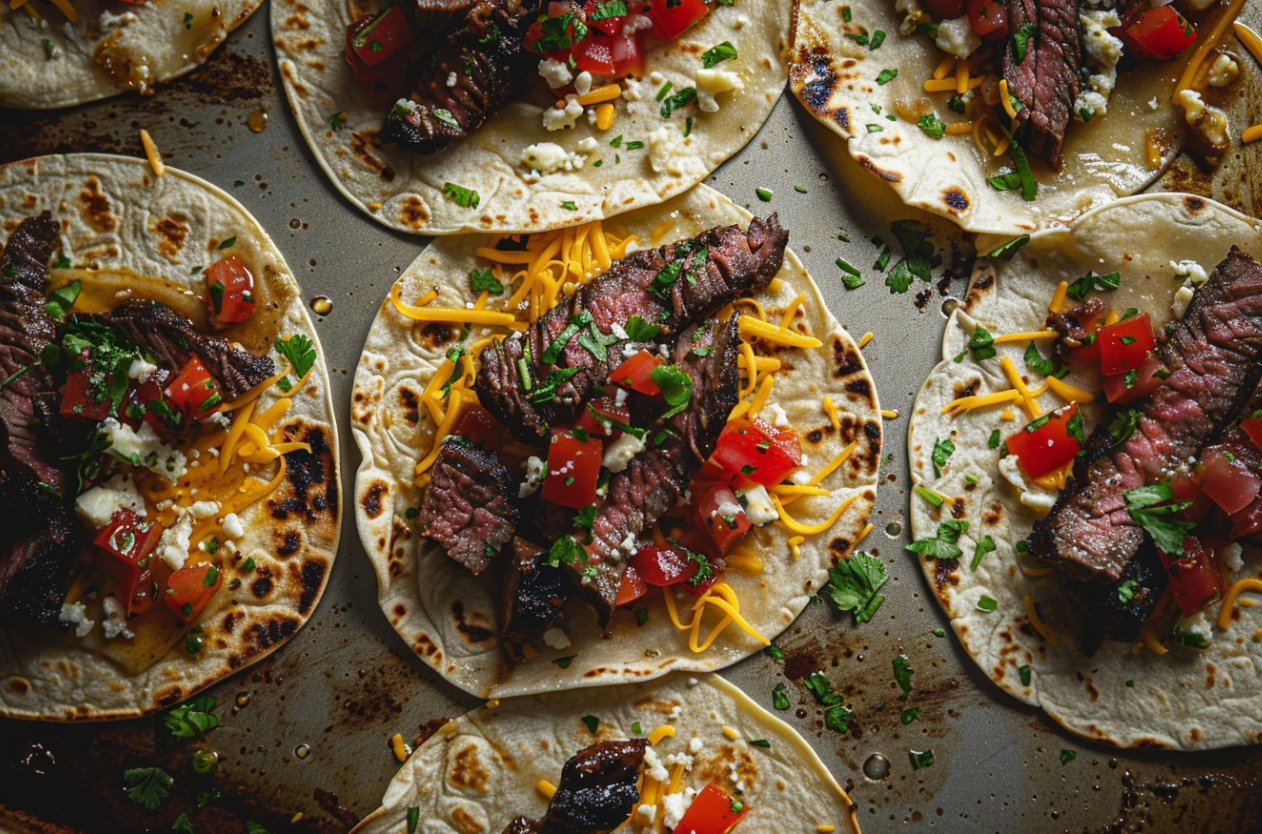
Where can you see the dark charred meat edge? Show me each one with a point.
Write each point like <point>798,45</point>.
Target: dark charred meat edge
<point>671,288</point>
<point>533,595</point>
<point>596,794</point>
<point>467,507</point>
<point>1214,356</point>
<point>1046,80</point>
<point>482,50</point>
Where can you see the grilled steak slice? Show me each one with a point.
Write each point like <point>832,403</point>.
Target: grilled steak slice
<point>521,825</point>
<point>657,478</point>
<point>485,57</point>
<point>467,506</point>
<point>1214,356</point>
<point>533,594</point>
<point>597,790</point>
<point>1105,616</point>
<point>36,584</point>
<point>1045,81</point>
<point>434,17</point>
<point>670,288</point>
<point>172,339</point>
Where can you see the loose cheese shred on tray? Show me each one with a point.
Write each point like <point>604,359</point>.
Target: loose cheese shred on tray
<point>1206,43</point>
<point>867,337</point>
<point>1251,134</point>
<point>151,150</point>
<point>400,749</point>
<point>1229,601</point>
<point>888,414</point>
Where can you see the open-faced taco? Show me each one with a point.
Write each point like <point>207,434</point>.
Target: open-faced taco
<point>1087,503</point>
<point>672,441</point>
<point>54,53</point>
<point>692,754</point>
<point>520,115</point>
<point>1011,116</point>
<point>169,466</point>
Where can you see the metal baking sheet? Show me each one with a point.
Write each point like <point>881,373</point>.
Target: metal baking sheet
<point>306,731</point>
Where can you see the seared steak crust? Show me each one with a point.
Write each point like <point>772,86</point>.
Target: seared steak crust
<point>467,506</point>
<point>483,52</point>
<point>1045,81</point>
<point>1214,356</point>
<point>710,270</point>
<point>597,790</point>
<point>533,594</point>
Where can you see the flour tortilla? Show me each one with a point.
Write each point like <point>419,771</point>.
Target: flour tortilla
<point>110,49</point>
<point>122,228</point>
<point>449,617</point>
<point>835,79</point>
<point>1185,699</point>
<point>404,190</point>
<point>482,768</point>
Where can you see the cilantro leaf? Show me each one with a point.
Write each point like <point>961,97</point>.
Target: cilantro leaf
<point>639,330</point>
<point>1047,367</point>
<point>300,352</point>
<point>942,451</point>
<point>484,280</point>
<point>676,387</point>
<point>944,545</point>
<point>192,719</point>
<point>718,54</point>
<point>1162,522</point>
<point>981,344</point>
<point>147,786</point>
<point>853,584</point>
<point>986,545</point>
<point>1105,283</point>
<point>902,674</point>
<point>1124,424</point>
<point>62,299</point>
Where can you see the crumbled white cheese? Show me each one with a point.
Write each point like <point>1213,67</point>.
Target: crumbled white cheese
<point>709,83</point>
<point>628,545</point>
<point>97,505</point>
<point>1031,495</point>
<point>1223,71</point>
<point>1102,52</point>
<point>76,614</point>
<point>758,507</point>
<point>555,638</point>
<point>174,544</point>
<point>645,814</point>
<point>695,745</point>
<point>204,509</point>
<point>232,526</point>
<point>674,805</point>
<point>534,477</point>
<point>557,118</point>
<point>556,73</point>
<point>1233,557</point>
<point>140,369</point>
<point>653,765</point>
<point>913,15</point>
<point>616,329</point>
<point>619,453</point>
<point>144,448</point>
<point>1209,122</point>
<point>666,145</point>
<point>957,37</point>
<point>1182,298</point>
<point>583,83</point>
<point>452,78</point>
<point>403,106</point>
<point>1197,624</point>
<point>115,624</point>
<point>779,418</point>
<point>108,21</point>
<point>546,157</point>
<point>1190,272</point>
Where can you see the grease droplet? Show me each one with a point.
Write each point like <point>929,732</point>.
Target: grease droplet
<point>256,121</point>
<point>322,304</point>
<point>243,699</point>
<point>302,751</point>
<point>877,767</point>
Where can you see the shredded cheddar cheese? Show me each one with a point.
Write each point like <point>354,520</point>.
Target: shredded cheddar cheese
<point>1032,613</point>
<point>1205,45</point>
<point>1251,134</point>
<point>834,463</point>
<point>1005,99</point>
<point>731,733</point>
<point>1027,397</point>
<point>811,529</point>
<point>1058,297</point>
<point>980,401</point>
<point>958,129</point>
<point>1233,593</point>
<point>1069,392</point>
<point>946,65</point>
<point>604,115</point>
<point>664,731</point>
<point>794,545</point>
<point>546,789</point>
<point>151,150</point>
<point>1035,336</point>
<point>1150,642</point>
<point>831,411</point>
<point>400,749</point>
<point>940,85</point>
<point>1008,415</point>
<point>752,327</point>
<point>888,414</point>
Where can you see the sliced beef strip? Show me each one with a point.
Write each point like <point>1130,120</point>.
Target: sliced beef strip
<point>1104,615</point>
<point>521,825</point>
<point>597,791</point>
<point>658,477</point>
<point>435,18</point>
<point>36,584</point>
<point>533,594</point>
<point>467,507</point>
<point>1046,80</point>
<point>485,55</point>
<point>1214,356</point>
<point>172,339</point>
<point>736,263</point>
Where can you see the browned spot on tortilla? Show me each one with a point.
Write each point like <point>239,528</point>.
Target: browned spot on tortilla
<point>888,176</point>
<point>433,335</point>
<point>371,502</point>
<point>472,631</point>
<point>955,199</point>
<point>467,823</point>
<point>1194,734</point>
<point>815,435</point>
<point>1209,675</point>
<point>984,281</point>
<point>969,390</point>
<point>296,22</point>
<point>653,705</point>
<point>275,631</point>
<point>467,772</point>
<point>994,515</point>
<point>840,546</point>
<point>945,572</point>
<point>872,431</point>
<point>289,542</point>
<point>718,768</point>
<point>313,572</point>
<point>1093,694</point>
<point>957,508</point>
<point>310,488</point>
<point>170,234</point>
<point>17,686</point>
<point>425,647</point>
<point>411,405</point>
<point>399,610</point>
<point>413,214</point>
<point>860,388</point>
<point>168,697</point>
<point>1195,205</point>
<point>298,87</point>
<point>95,207</point>
<point>361,141</point>
<point>262,586</point>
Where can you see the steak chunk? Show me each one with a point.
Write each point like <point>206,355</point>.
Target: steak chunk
<point>533,594</point>
<point>1076,325</point>
<point>467,506</point>
<point>1214,356</point>
<point>1110,614</point>
<point>597,789</point>
<point>669,288</point>
<point>1046,80</point>
<point>172,339</point>
<point>485,56</point>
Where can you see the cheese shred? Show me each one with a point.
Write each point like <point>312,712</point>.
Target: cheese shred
<point>151,150</point>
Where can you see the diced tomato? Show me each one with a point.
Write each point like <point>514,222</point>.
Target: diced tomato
<point>611,25</point>
<point>1134,385</point>
<point>1227,480</point>
<point>124,549</point>
<point>594,54</point>
<point>78,398</point>
<point>1246,522</point>
<point>1252,426</point>
<point>753,451</point>
<point>145,403</point>
<point>1158,34</point>
<point>556,33</point>
<point>1124,345</point>
<point>381,37</point>
<point>945,9</point>
<point>573,469</point>
<point>1194,578</point>
<point>190,588</point>
<point>194,393</point>
<point>671,18</point>
<point>392,66</point>
<point>721,515</point>
<point>628,56</point>
<point>989,19</point>
<point>478,427</point>
<point>230,290</point>
<point>712,812</point>
<point>1049,442</point>
<point>631,589</point>
<point>636,373</point>
<point>663,566</point>
<point>599,415</point>
<point>1187,489</point>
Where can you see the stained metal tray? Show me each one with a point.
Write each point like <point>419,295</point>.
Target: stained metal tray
<point>306,730</point>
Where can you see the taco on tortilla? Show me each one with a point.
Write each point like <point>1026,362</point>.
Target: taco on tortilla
<point>1012,116</point>
<point>564,438</point>
<point>54,53</point>
<point>694,754</point>
<point>516,115</point>
<point>1087,502</point>
<point>170,455</point>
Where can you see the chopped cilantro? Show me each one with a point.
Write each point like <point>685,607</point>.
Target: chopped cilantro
<point>853,584</point>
